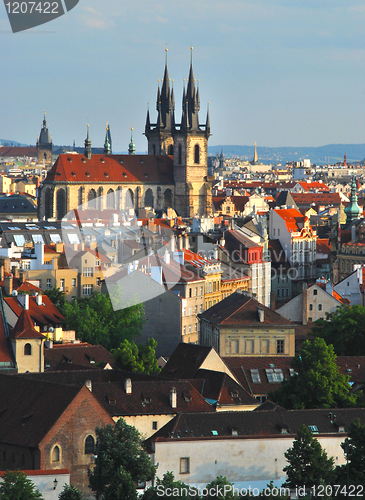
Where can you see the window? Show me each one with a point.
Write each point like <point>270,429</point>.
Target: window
<point>190,292</point>
<point>255,375</point>
<point>214,286</point>
<point>196,309</point>
<point>319,307</point>
<point>189,328</point>
<point>26,265</point>
<point>88,272</point>
<point>184,329</point>
<point>56,454</point>
<point>201,290</point>
<point>201,308</point>
<point>196,291</point>
<point>311,307</point>
<point>196,153</point>
<point>196,327</point>
<point>19,240</point>
<point>280,346</point>
<point>73,282</point>
<point>27,350</point>
<point>37,238</point>
<point>210,287</point>
<point>97,262</point>
<point>185,465</point>
<point>313,428</point>
<point>154,425</point>
<point>89,445</point>
<point>98,281</point>
<point>87,289</point>
<point>274,375</point>
<point>73,238</point>
<point>62,285</point>
<point>184,311</point>
<point>190,311</point>
<point>49,283</point>
<point>315,292</point>
<point>55,238</point>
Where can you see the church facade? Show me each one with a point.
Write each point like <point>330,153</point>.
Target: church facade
<point>172,174</point>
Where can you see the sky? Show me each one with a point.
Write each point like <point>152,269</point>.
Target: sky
<point>275,72</point>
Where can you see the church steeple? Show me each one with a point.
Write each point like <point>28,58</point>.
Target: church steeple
<point>44,144</point>
<point>107,143</point>
<point>352,210</point>
<point>192,96</point>
<point>132,147</point>
<point>87,152</point>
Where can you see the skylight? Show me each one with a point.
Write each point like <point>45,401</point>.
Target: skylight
<point>255,375</point>
<point>274,375</point>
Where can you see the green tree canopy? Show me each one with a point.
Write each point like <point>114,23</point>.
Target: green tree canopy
<point>317,382</point>
<point>96,322</point>
<point>70,492</point>
<point>16,486</point>
<point>57,297</point>
<point>215,490</point>
<point>140,359</point>
<point>167,487</point>
<point>354,449</point>
<point>344,329</point>
<point>308,462</point>
<point>121,462</point>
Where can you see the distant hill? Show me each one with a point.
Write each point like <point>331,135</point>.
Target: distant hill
<point>8,143</point>
<point>331,153</point>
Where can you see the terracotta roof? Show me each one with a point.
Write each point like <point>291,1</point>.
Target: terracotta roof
<point>323,246</point>
<point>240,309</point>
<point>309,199</point>
<point>45,314</point>
<point>40,472</point>
<point>291,216</point>
<point>112,168</point>
<point>18,151</point>
<point>24,328</point>
<point>319,186</point>
<point>87,355</point>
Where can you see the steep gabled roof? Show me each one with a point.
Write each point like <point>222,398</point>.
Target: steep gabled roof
<point>43,314</point>
<point>24,328</point>
<point>86,355</point>
<point>240,309</point>
<point>112,168</point>
<point>185,361</point>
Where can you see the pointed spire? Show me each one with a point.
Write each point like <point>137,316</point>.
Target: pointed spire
<point>107,146</point>
<point>148,121</point>
<point>132,147</point>
<point>207,122</point>
<point>352,210</point>
<point>44,120</point>
<point>87,145</point>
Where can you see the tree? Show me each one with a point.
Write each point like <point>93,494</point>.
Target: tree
<point>354,449</point>
<point>215,490</point>
<point>317,381</point>
<point>57,298</point>
<point>308,462</point>
<point>344,329</point>
<point>96,322</point>
<point>121,462</point>
<point>167,487</point>
<point>16,486</point>
<point>141,358</point>
<point>70,492</point>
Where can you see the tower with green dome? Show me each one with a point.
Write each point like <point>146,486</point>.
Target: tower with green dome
<point>353,210</point>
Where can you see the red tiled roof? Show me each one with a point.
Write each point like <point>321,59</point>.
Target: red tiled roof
<point>309,199</point>
<point>75,354</point>
<point>42,315</point>
<point>291,216</point>
<point>39,472</point>
<point>323,246</point>
<point>18,151</point>
<point>112,168</point>
<point>320,186</point>
<point>24,328</point>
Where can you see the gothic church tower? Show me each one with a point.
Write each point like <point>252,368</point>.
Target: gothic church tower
<point>44,144</point>
<point>187,142</point>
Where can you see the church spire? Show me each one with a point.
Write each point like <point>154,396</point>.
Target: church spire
<point>87,145</point>
<point>132,147</point>
<point>352,210</point>
<point>192,98</point>
<point>107,143</point>
<point>207,122</point>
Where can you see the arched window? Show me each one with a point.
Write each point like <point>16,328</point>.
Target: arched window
<point>170,150</point>
<point>129,199</point>
<point>89,445</point>
<point>27,350</point>
<point>48,199</point>
<point>180,154</point>
<point>110,199</point>
<point>61,204</point>
<point>168,198</point>
<point>81,195</point>
<point>91,198</point>
<point>56,454</point>
<point>148,198</point>
<point>196,153</point>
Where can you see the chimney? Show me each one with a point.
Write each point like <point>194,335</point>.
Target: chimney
<point>179,242</point>
<point>59,247</point>
<point>156,274</point>
<point>39,299</point>
<point>329,287</point>
<point>273,301</point>
<point>166,257</point>
<point>261,314</point>
<point>128,386</point>
<point>26,302</point>
<point>8,284</point>
<point>215,255</point>
<point>186,242</point>
<point>305,304</point>
<point>173,397</point>
<point>89,385</point>
<point>15,271</point>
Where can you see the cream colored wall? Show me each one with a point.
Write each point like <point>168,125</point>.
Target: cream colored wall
<point>144,422</point>
<point>243,461</point>
<point>260,337</point>
<point>33,362</point>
